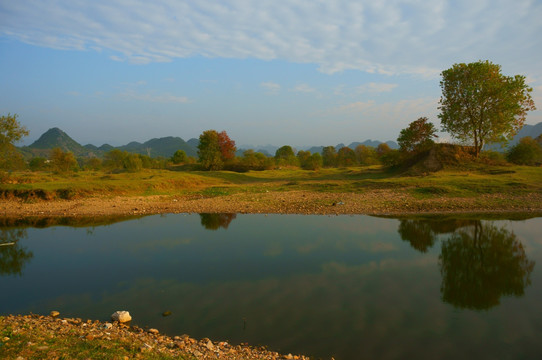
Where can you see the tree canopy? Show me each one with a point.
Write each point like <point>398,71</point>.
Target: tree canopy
<point>285,155</point>
<point>480,105</point>
<point>214,149</point>
<point>10,133</point>
<point>10,130</point>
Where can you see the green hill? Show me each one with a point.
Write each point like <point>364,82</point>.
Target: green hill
<point>164,147</point>
<point>54,138</point>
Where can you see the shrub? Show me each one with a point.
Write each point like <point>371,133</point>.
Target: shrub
<point>526,152</point>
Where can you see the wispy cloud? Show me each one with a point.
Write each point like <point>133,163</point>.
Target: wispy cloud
<point>403,111</point>
<point>387,37</point>
<point>303,88</point>
<point>376,87</point>
<point>270,87</point>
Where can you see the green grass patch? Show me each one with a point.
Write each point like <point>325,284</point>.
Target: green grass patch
<point>471,182</point>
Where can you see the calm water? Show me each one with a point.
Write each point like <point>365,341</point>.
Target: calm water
<point>351,287</point>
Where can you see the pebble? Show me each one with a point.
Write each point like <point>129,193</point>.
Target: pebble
<point>54,313</point>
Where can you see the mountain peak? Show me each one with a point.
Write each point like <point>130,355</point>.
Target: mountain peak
<point>55,137</point>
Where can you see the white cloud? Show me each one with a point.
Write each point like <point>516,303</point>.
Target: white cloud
<point>386,37</point>
<point>388,115</point>
<point>377,87</point>
<point>304,88</point>
<point>270,87</point>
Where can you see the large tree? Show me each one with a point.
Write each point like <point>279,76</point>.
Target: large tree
<point>480,105</point>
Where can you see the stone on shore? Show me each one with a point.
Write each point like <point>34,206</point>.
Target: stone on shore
<point>54,313</point>
<point>121,316</point>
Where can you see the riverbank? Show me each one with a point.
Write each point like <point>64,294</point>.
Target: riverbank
<point>375,202</point>
<point>50,337</point>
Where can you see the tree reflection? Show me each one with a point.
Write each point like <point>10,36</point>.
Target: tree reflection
<point>482,263</point>
<point>12,256</point>
<point>422,234</point>
<point>479,262</point>
<point>216,221</point>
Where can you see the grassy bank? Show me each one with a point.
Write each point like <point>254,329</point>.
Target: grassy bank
<point>47,337</point>
<point>451,183</point>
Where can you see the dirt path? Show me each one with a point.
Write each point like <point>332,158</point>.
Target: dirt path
<point>377,202</point>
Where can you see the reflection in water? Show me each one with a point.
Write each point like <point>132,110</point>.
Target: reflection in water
<point>12,256</point>
<point>216,221</point>
<point>338,287</point>
<point>482,263</point>
<point>479,263</point>
<point>422,234</point>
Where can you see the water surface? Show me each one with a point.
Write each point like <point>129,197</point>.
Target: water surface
<point>350,287</point>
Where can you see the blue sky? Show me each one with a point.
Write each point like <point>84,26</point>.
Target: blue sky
<point>268,72</point>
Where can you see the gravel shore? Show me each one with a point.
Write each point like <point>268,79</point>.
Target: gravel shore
<point>376,202</point>
<point>51,337</point>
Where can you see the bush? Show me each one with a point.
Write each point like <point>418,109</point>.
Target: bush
<point>526,152</point>
<point>391,158</point>
<point>491,157</point>
<point>62,162</point>
<point>37,164</point>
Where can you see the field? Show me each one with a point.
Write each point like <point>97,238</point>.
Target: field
<point>373,190</point>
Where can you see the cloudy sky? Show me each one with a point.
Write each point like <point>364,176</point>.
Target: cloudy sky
<point>297,72</point>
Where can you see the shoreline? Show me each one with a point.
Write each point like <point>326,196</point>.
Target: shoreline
<point>376,202</point>
<point>40,336</point>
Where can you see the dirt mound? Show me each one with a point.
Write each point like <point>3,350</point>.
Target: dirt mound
<point>440,156</point>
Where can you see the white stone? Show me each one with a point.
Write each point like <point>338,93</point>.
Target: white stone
<point>121,316</point>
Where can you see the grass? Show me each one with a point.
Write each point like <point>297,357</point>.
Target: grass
<point>513,180</point>
<point>37,343</point>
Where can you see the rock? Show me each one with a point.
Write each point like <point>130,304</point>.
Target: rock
<point>197,353</point>
<point>153,331</point>
<point>54,313</point>
<point>108,326</point>
<point>166,313</point>
<point>121,316</point>
<point>210,345</point>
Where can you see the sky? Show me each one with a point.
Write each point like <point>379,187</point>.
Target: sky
<point>290,72</point>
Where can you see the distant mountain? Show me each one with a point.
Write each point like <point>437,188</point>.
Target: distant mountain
<point>193,142</point>
<point>106,147</point>
<point>165,147</point>
<point>372,143</point>
<point>91,147</point>
<point>56,138</point>
<point>528,130</point>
